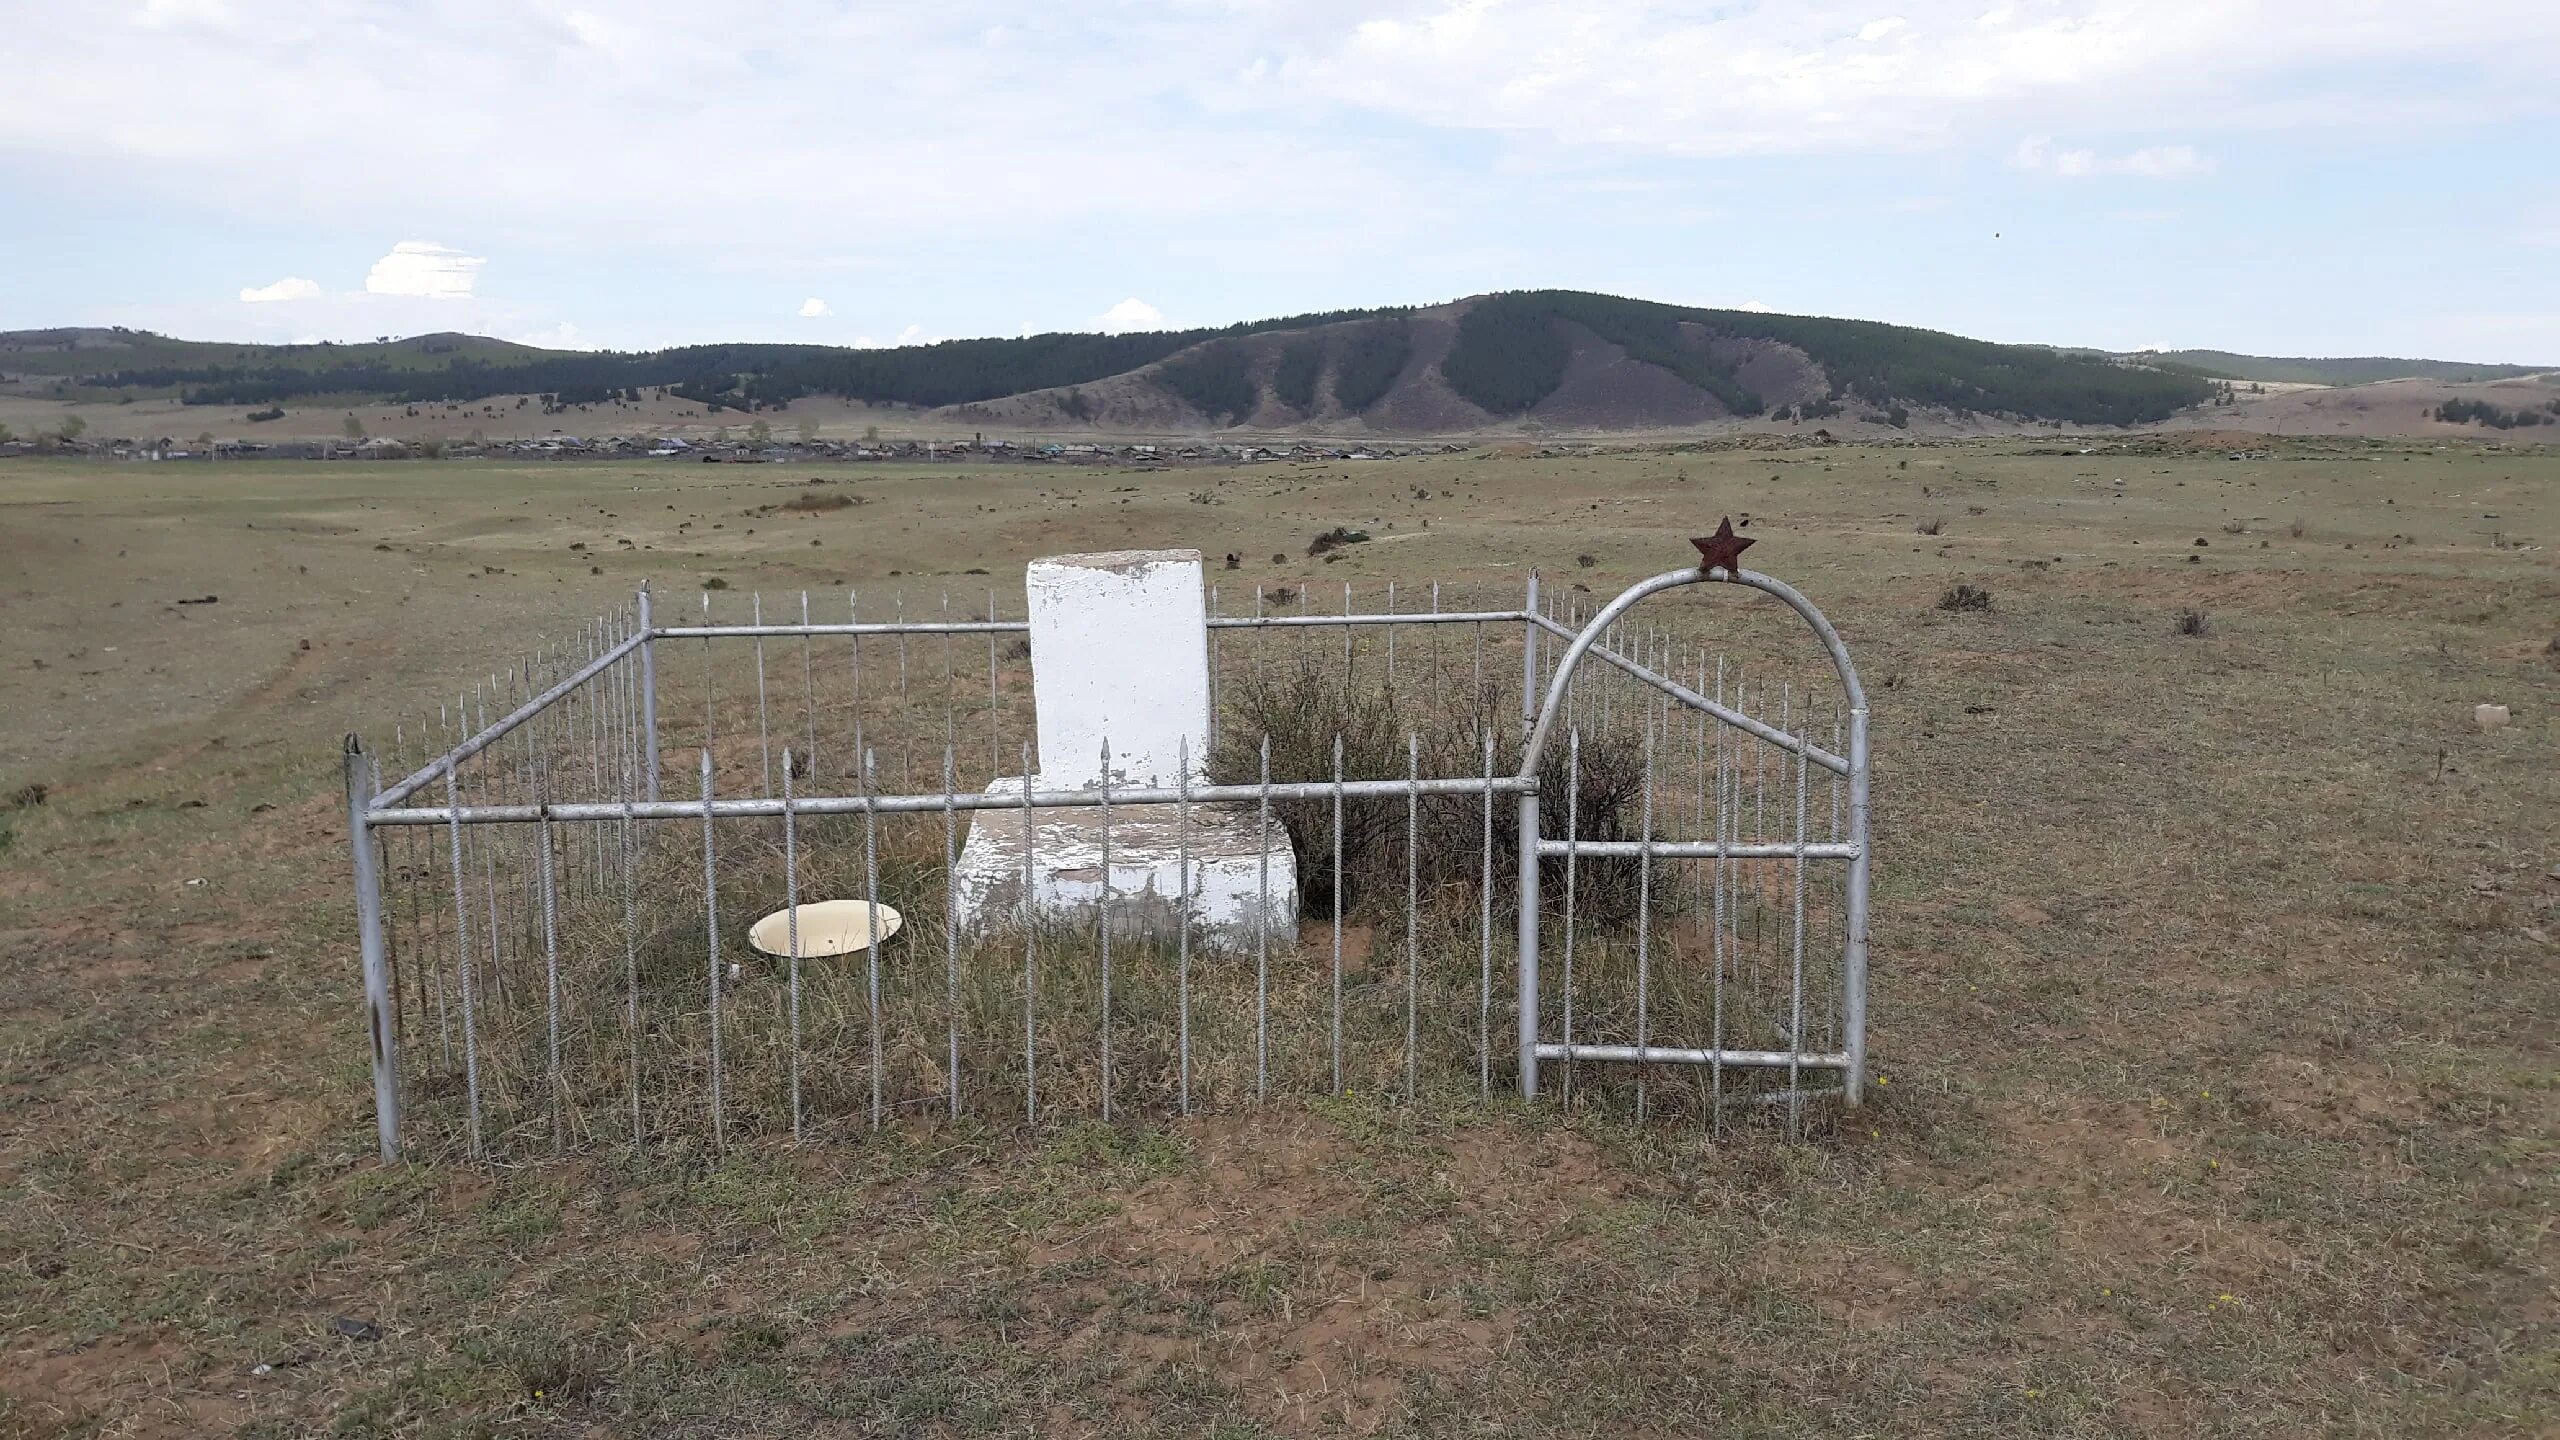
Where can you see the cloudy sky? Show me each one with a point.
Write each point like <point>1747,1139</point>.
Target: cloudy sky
<point>2286,176</point>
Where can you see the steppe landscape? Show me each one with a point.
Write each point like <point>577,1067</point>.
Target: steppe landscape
<point>2213,983</point>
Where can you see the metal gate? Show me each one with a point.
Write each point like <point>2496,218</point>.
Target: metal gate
<point>1805,1006</point>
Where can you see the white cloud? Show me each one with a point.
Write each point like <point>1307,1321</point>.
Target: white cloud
<point>596,33</point>
<point>158,14</point>
<point>814,308</point>
<point>451,118</point>
<point>424,268</point>
<point>1812,76</point>
<point>912,335</point>
<point>2162,161</point>
<point>563,336</point>
<point>2037,154</point>
<point>291,287</point>
<point>1130,314</point>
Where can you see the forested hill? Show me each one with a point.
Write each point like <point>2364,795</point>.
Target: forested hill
<point>1552,356</point>
<point>2297,370</point>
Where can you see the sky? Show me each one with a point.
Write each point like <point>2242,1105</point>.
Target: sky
<point>2321,177</point>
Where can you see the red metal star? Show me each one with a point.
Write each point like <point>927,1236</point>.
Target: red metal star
<point>1722,550</point>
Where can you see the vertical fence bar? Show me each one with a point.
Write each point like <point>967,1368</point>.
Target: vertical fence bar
<point>1795,1024</point>
<point>764,722</point>
<point>711,929</point>
<point>553,1081</point>
<point>1431,634</point>
<point>710,683</point>
<point>1724,826</point>
<point>1484,932</point>
<point>808,692</point>
<point>1262,936</point>
<point>1181,923</point>
<point>1412,912</point>
<point>1572,876</point>
<point>1391,633</point>
<point>462,964</point>
<point>1102,913</point>
<point>1529,671</point>
<point>649,692</point>
<point>631,960</point>
<point>1644,927</point>
<point>1347,630</point>
<point>1030,957</point>
<point>791,914</point>
<point>853,610</point>
<point>995,747</point>
<point>379,1023</point>
<point>951,918</point>
<point>871,897</point>
<point>1853,1025</point>
<point>1528,972</point>
<point>1337,913</point>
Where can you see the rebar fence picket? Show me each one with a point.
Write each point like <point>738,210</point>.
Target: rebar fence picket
<point>1539,843</point>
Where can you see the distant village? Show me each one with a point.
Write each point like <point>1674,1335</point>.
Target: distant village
<point>718,452</point>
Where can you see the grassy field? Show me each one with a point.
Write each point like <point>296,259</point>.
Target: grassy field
<point>2214,998</point>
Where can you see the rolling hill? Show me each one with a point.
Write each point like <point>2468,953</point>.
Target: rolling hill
<point>1546,359</point>
<point>2361,370</point>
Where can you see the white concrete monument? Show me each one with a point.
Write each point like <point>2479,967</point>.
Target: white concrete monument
<point>1120,656</point>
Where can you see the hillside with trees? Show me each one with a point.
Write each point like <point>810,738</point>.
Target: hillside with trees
<point>2366,370</point>
<point>1548,358</point>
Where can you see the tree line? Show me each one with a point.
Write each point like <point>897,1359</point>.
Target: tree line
<point>741,377</point>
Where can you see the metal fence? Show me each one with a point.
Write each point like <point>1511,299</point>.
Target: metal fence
<point>1577,849</point>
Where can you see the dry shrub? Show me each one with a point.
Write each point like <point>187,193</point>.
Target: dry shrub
<point>819,504</point>
<point>2191,622</point>
<point>1307,706</point>
<point>1965,597</point>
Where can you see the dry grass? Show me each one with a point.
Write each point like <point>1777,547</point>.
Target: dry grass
<point>2212,1014</point>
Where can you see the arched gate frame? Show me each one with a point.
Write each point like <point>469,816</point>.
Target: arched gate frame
<point>1850,1060</point>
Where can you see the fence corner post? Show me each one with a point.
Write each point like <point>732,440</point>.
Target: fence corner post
<point>377,968</point>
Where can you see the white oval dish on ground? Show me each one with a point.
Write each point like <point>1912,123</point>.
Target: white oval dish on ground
<point>827,927</point>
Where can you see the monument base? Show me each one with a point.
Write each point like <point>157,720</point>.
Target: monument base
<point>1228,882</point>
